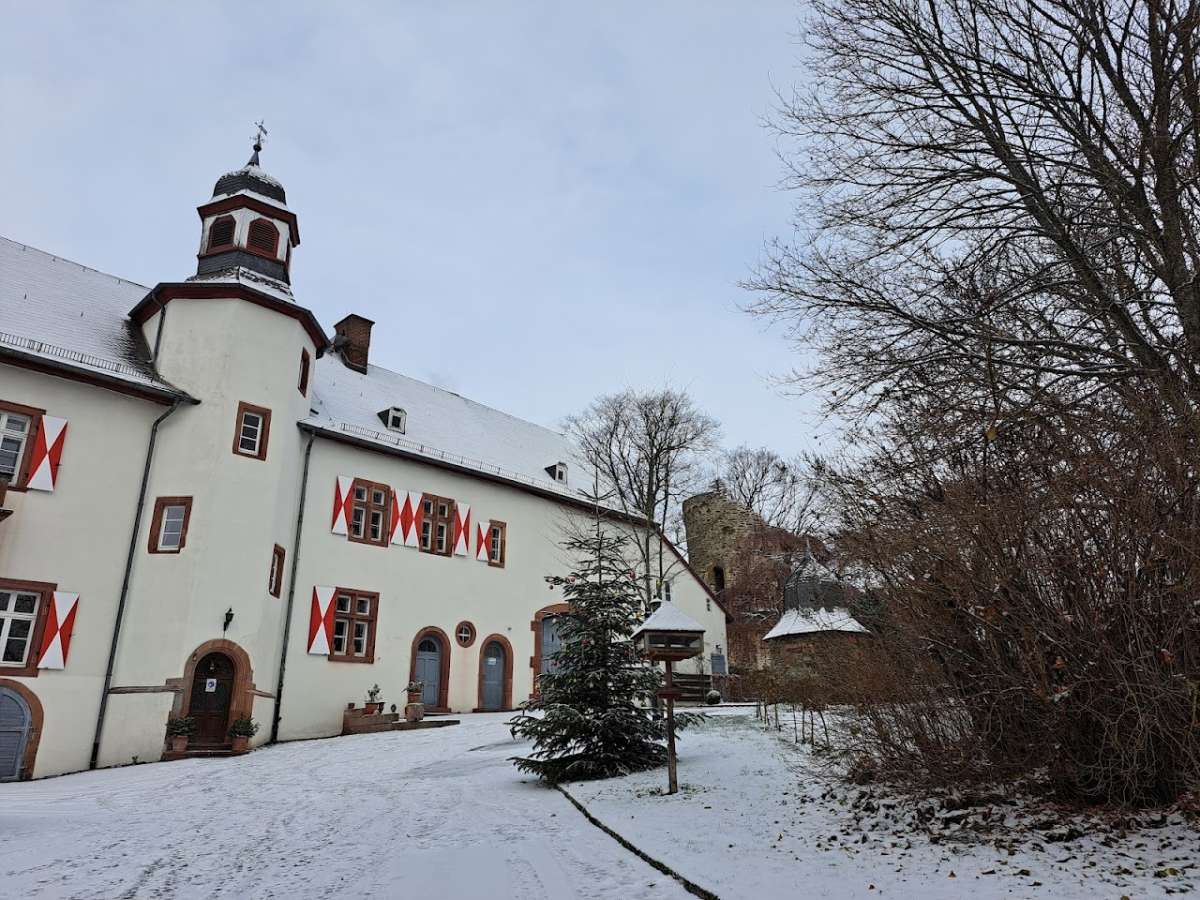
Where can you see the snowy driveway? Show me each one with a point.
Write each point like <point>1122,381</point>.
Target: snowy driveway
<point>422,814</point>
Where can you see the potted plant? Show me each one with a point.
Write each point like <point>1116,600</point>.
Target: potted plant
<point>179,729</point>
<point>374,704</point>
<point>414,710</point>
<point>241,731</point>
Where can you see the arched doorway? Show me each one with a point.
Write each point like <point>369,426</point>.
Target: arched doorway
<point>495,674</point>
<point>19,735</point>
<point>547,639</point>
<point>431,665</point>
<point>16,722</point>
<point>211,700</point>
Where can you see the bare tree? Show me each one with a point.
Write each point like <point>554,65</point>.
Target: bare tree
<point>999,187</point>
<point>647,449</point>
<point>774,489</point>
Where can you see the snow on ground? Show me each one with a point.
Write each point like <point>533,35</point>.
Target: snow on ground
<point>443,814</point>
<point>423,814</point>
<point>754,820</point>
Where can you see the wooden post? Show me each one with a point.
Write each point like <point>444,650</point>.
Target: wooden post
<point>672,775</point>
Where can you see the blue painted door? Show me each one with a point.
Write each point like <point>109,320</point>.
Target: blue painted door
<point>429,669</point>
<point>551,644</point>
<point>493,675</point>
<point>14,733</point>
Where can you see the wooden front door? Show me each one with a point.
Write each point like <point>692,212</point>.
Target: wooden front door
<point>493,676</point>
<point>551,644</point>
<point>429,669</point>
<point>212,691</point>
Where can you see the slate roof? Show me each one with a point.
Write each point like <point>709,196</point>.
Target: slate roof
<point>441,425</point>
<point>250,179</point>
<point>813,621</point>
<point>66,315</point>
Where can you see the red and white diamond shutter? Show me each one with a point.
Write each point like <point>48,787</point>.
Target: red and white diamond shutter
<point>46,454</point>
<point>60,622</point>
<point>462,528</point>
<point>397,533</point>
<point>320,620</point>
<point>411,519</point>
<point>482,550</point>
<point>343,496</point>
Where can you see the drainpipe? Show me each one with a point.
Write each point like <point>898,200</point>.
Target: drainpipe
<point>158,331</point>
<point>287,615</point>
<point>133,541</point>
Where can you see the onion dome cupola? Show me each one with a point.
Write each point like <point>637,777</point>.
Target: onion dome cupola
<point>247,226</point>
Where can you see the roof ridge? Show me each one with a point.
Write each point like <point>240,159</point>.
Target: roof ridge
<point>58,258</point>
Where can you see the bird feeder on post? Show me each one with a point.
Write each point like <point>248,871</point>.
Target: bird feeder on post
<point>669,636</point>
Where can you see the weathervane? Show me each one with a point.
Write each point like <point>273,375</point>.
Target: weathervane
<point>260,138</point>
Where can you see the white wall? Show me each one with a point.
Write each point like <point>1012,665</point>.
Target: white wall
<point>76,537</point>
<point>420,589</point>
<point>222,352</point>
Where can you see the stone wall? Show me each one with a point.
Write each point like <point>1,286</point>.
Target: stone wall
<point>714,527</point>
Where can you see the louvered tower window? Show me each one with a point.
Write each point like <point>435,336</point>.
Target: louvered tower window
<point>221,233</point>
<point>263,236</point>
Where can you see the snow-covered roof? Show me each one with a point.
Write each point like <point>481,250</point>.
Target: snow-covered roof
<point>814,621</point>
<point>68,315</point>
<point>668,617</point>
<point>441,425</point>
<point>254,171</point>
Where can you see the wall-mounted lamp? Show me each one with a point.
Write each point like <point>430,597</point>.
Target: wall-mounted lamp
<point>228,619</point>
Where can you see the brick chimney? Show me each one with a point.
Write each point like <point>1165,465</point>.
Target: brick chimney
<point>354,341</point>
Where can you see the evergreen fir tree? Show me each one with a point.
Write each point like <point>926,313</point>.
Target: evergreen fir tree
<point>595,721</point>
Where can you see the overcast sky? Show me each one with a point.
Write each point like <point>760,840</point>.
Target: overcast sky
<point>536,203</point>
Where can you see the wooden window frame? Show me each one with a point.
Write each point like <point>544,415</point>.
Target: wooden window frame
<point>20,479</point>
<point>209,247</point>
<point>275,573</point>
<point>368,505</point>
<point>372,620</point>
<point>160,506</point>
<point>264,432</point>
<point>46,591</point>
<point>305,366</point>
<point>502,527</point>
<point>434,520</point>
<point>259,251</point>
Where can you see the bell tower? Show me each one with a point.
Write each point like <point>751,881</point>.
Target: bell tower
<point>247,224</point>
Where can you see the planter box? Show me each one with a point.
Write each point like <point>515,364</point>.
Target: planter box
<point>179,743</point>
<point>241,744</point>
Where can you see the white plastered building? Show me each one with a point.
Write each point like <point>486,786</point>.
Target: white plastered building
<point>216,510</point>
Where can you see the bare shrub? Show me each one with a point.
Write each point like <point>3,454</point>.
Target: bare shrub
<point>1042,606</point>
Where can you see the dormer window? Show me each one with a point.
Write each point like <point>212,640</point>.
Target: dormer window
<point>220,234</point>
<point>263,237</point>
<point>394,418</point>
<point>558,472</point>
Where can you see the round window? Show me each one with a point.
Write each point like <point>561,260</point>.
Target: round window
<point>465,634</point>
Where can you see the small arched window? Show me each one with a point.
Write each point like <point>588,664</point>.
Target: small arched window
<point>263,236</point>
<point>220,234</point>
<point>718,579</point>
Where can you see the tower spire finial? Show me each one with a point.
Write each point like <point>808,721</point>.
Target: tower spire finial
<point>260,138</point>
